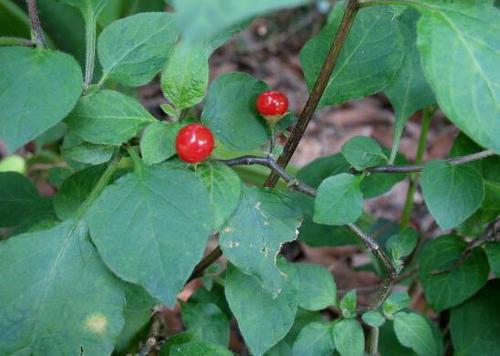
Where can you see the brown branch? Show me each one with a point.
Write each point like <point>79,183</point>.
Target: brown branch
<point>205,263</point>
<point>351,9</point>
<point>36,28</point>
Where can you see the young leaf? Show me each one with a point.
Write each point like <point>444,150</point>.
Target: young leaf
<point>413,331</point>
<point>64,270</point>
<point>409,91</point>
<point>253,236</point>
<point>348,304</point>
<point>159,212</point>
<point>134,49</point>
<point>76,149</point>
<point>451,192</point>
<point>39,88</point>
<point>230,111</point>
<point>463,74</point>
<point>184,80</point>
<point>207,321</point>
<point>373,318</point>
<point>200,20</point>
<point>349,338</point>
<point>474,324</point>
<point>493,252</point>
<point>363,152</point>
<point>448,277</point>
<point>199,349</point>
<point>396,302</point>
<point>224,190</point>
<point>108,117</point>
<point>263,318</point>
<point>339,200</point>
<point>317,287</point>
<point>401,245</point>
<point>158,141</point>
<point>367,63</point>
<point>315,339</point>
<point>17,197</point>
<point>389,344</point>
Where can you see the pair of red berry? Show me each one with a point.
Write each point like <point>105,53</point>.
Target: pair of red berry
<point>195,142</point>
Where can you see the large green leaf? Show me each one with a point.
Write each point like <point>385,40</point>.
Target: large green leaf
<point>108,117</point>
<point>368,61</point>
<point>451,192</point>
<point>151,227</point>
<point>349,338</point>
<point>57,297</point>
<point>230,111</point>
<point>339,200</point>
<point>207,322</point>
<point>317,287</point>
<point>158,141</point>
<point>134,49</point>
<point>409,91</point>
<point>447,280</point>
<point>253,236</point>
<point>224,189</point>
<point>263,318</point>
<point>413,331</point>
<point>199,349</point>
<point>39,88</point>
<point>474,324</point>
<point>76,149</point>
<point>314,340</point>
<point>202,19</point>
<point>17,197</point>
<point>464,73</point>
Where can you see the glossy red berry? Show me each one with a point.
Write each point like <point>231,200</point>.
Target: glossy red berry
<point>272,103</point>
<point>194,143</point>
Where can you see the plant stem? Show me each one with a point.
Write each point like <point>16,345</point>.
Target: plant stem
<point>373,346</point>
<point>422,142</point>
<point>37,36</point>
<point>205,263</point>
<point>16,41</point>
<point>351,9</point>
<point>90,39</point>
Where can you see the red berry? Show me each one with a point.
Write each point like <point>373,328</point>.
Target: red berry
<point>194,143</point>
<point>272,103</point>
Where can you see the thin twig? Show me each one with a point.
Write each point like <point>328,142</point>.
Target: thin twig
<point>373,345</point>
<point>414,168</point>
<point>36,28</point>
<point>154,336</point>
<point>16,41</point>
<point>205,263</point>
<point>351,8</point>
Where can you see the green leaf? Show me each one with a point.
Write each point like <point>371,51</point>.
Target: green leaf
<point>253,236</point>
<point>373,318</point>
<point>159,212</point>
<point>230,111</point>
<point>57,296</point>
<point>158,141</point>
<point>396,302</point>
<point>17,197</point>
<point>363,152</point>
<point>207,321</point>
<point>314,340</point>
<point>463,74</point>
<point>339,200</point>
<point>39,88</point>
<point>451,192</point>
<point>88,8</point>
<point>202,19</point>
<point>349,338</point>
<point>389,344</point>
<point>108,117</point>
<point>184,80</point>
<point>214,296</point>
<point>317,287</point>
<point>76,149</point>
<point>447,280</point>
<point>401,245</point>
<point>134,49</point>
<point>199,349</point>
<point>348,304</point>
<point>413,331</point>
<point>474,324</point>
<point>368,61</point>
<point>138,309</point>
<point>493,252</point>
<point>224,190</point>
<point>263,318</point>
<point>409,91</point>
